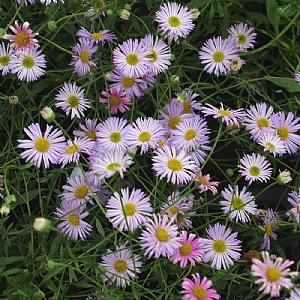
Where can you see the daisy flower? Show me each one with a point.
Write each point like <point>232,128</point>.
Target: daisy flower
<point>128,211</point>
<point>297,77</point>
<point>82,60</point>
<point>191,133</point>
<point>177,167</point>
<point>239,204</point>
<point>131,58</point>
<point>272,143</point>
<point>145,133</point>
<point>198,289</point>
<point>5,58</point>
<point>294,199</point>
<point>71,100</point>
<point>286,128</point>
<point>257,119</point>
<point>23,37</point>
<point>228,116</point>
<point>189,251</point>
<point>204,182</point>
<point>113,135</point>
<point>120,266</point>
<point>255,167</point>
<point>1,186</point>
<point>88,129</point>
<point>244,35</point>
<point>72,215</point>
<point>174,20</point>
<point>42,147</point>
<point>272,274</point>
<point>217,54</point>
<point>25,2</point>
<point>187,99</point>
<point>29,64</point>
<point>110,163</point>
<point>73,148</point>
<point>221,247</point>
<point>198,155</point>
<point>77,189</point>
<point>98,37</point>
<point>295,294</point>
<point>116,100</point>
<point>160,59</point>
<point>132,86</point>
<point>270,221</point>
<point>96,10</point>
<point>50,1</point>
<point>159,238</point>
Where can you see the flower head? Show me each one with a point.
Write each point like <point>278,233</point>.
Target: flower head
<point>272,143</point>
<point>294,199</point>
<point>272,274</point>
<point>243,34</point>
<point>97,37</point>
<point>5,58</point>
<point>204,182</point>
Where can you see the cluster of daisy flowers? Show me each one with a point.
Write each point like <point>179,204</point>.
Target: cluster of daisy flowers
<point>177,142</point>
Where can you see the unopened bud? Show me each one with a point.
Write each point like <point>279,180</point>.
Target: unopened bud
<point>284,177</point>
<point>13,100</point>
<point>127,7</point>
<point>10,199</point>
<point>236,64</point>
<point>181,97</point>
<point>124,14</point>
<point>109,12</point>
<point>52,25</point>
<point>175,79</point>
<point>48,114</point>
<point>51,264</point>
<point>229,172</point>
<point>42,225</point>
<point>5,209</point>
<point>195,12</point>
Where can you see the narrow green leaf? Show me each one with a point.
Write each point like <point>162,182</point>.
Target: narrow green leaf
<point>272,13</point>
<point>12,271</point>
<point>288,83</point>
<point>100,228</point>
<point>10,260</point>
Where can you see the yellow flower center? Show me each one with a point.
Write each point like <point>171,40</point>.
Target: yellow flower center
<point>114,101</point>
<point>81,191</point>
<point>73,101</point>
<point>28,62</point>
<point>173,209</point>
<point>185,249</point>
<point>115,137</point>
<point>237,203</point>
<point>174,164</point>
<point>262,122</point>
<point>219,246</point>
<point>283,133</point>
<point>73,219</point>
<point>254,171</point>
<point>241,39</point>
<point>161,143</point>
<point>269,229</point>
<point>97,36</point>
<point>128,82</point>
<point>203,180</point>
<point>113,167</point>
<point>270,146</point>
<point>153,56</point>
<point>129,209</point>
<point>132,59</point>
<point>272,274</point>
<point>162,235</point>
<point>144,137</point>
<point>84,56</point>
<point>72,149</point>
<point>187,106</point>
<point>22,39</point>
<point>174,21</point>
<point>199,292</point>
<point>173,121</point>
<point>224,113</point>
<point>218,56</point>
<point>92,135</point>
<point>190,134</point>
<point>120,266</point>
<point>4,60</point>
<point>42,145</point>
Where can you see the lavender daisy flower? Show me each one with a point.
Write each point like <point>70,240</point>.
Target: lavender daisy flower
<point>131,58</point>
<point>71,100</point>
<point>272,274</point>
<point>297,77</point>
<point>45,147</point>
<point>198,289</point>
<point>88,129</point>
<point>177,167</point>
<point>29,65</point>
<point>221,247</point>
<point>72,215</point>
<point>159,238</point>
<point>294,199</point>
<point>5,58</point>
<point>26,2</point>
<point>286,128</point>
<point>97,37</point>
<point>82,60</point>
<point>174,20</point>
<point>128,211</point>
<point>295,294</point>
<point>190,250</point>
<point>120,266</point>
<point>255,167</point>
<point>217,54</point>
<point>272,143</point>
<point>187,99</point>
<point>244,35</point>
<point>239,204</point>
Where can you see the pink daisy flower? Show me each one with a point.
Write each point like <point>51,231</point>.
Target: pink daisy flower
<point>272,274</point>
<point>160,237</point>
<point>198,289</point>
<point>116,100</point>
<point>189,251</point>
<point>204,182</point>
<point>23,37</point>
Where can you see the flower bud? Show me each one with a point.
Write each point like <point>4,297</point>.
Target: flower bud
<point>10,199</point>
<point>52,25</point>
<point>284,177</point>
<point>109,12</point>
<point>42,225</point>
<point>13,100</point>
<point>229,172</point>
<point>181,97</point>
<point>5,209</point>
<point>48,114</point>
<point>51,264</point>
<point>236,64</point>
<point>124,14</point>
<point>39,295</point>
<point>127,7</point>
<point>175,79</point>
<point>195,12</point>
